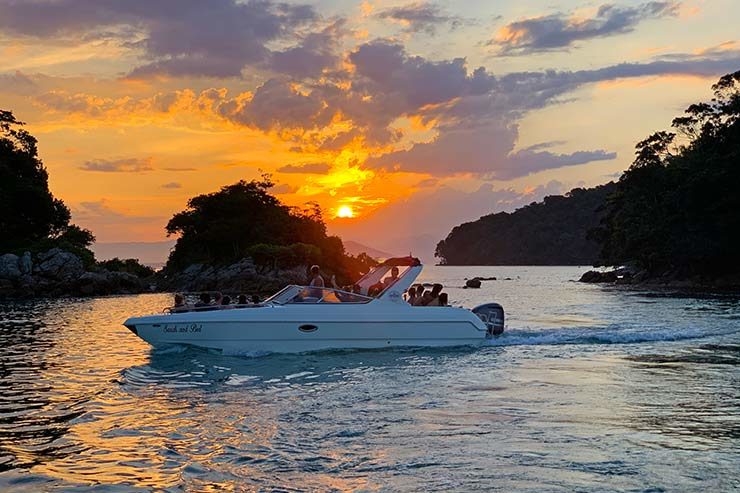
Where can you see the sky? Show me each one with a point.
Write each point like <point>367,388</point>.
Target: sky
<point>416,116</point>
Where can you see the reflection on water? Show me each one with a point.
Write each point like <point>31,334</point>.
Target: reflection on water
<point>590,389</point>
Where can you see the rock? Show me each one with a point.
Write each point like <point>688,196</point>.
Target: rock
<point>60,265</point>
<point>473,283</point>
<point>98,283</point>
<point>9,268</point>
<point>92,283</point>
<point>595,276</point>
<point>25,263</point>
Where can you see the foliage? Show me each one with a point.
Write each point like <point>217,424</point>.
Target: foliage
<point>130,265</point>
<point>31,217</point>
<point>676,208</point>
<point>284,256</point>
<point>244,219</point>
<point>551,232</point>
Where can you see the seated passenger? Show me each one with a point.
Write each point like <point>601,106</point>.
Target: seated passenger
<point>411,295</point>
<point>242,299</point>
<point>217,298</point>
<point>420,293</point>
<point>443,299</point>
<point>204,300</point>
<point>316,281</point>
<point>431,298</point>
<point>375,289</point>
<point>256,299</point>
<point>226,300</point>
<point>179,300</point>
<point>389,281</point>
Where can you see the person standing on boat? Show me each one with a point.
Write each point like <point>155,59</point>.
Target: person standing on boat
<point>316,280</point>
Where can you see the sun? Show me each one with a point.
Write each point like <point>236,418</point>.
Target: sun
<point>345,211</point>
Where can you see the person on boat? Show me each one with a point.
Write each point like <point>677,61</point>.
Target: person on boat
<point>443,299</point>
<point>420,292</point>
<point>389,281</point>
<point>242,300</point>
<point>204,300</point>
<point>179,300</point>
<point>411,295</point>
<point>433,298</point>
<point>256,299</point>
<point>217,298</point>
<point>375,289</point>
<point>316,280</point>
<point>226,300</point>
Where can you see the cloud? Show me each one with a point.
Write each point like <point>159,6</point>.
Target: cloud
<point>17,83</point>
<point>172,185</point>
<point>420,17</point>
<point>177,170</point>
<point>561,31</point>
<point>315,53</point>
<point>485,151</point>
<point>471,114</point>
<point>309,168</point>
<point>175,37</point>
<point>129,165</point>
<point>99,209</point>
<point>283,189</point>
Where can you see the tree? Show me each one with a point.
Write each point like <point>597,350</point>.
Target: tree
<point>244,219</point>
<point>676,207</point>
<point>30,214</point>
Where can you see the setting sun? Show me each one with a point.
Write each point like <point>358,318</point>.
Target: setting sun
<point>345,211</point>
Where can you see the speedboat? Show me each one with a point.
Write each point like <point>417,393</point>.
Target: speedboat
<point>306,318</point>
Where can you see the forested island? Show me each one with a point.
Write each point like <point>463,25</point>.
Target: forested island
<point>674,215</point>
<point>551,232</point>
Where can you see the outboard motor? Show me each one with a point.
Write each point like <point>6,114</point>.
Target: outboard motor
<point>492,314</point>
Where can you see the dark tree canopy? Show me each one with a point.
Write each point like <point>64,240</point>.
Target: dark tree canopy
<point>551,232</point>
<point>244,219</point>
<point>31,216</point>
<point>678,206</point>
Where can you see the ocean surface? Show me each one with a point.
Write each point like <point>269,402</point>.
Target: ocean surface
<point>589,389</point>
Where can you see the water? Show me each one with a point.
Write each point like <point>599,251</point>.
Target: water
<point>590,389</point>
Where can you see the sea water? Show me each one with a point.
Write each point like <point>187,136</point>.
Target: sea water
<point>589,389</point>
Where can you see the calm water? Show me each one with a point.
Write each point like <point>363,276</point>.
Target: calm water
<point>590,389</point>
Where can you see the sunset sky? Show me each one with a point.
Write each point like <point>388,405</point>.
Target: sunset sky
<point>413,116</point>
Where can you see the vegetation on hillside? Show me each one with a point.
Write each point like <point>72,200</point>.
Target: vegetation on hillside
<point>551,232</point>
<point>677,208</point>
<point>32,219</point>
<point>244,219</point>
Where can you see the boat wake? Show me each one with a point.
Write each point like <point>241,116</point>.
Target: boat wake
<point>603,335</point>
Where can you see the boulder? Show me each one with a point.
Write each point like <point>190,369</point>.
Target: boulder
<point>25,263</point>
<point>98,283</point>
<point>9,267</point>
<point>473,283</point>
<point>60,265</point>
<point>595,276</point>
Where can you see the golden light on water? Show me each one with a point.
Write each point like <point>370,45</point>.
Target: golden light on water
<point>345,211</point>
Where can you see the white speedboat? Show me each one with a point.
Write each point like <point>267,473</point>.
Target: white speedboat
<point>302,318</point>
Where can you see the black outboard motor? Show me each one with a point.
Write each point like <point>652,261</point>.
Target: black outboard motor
<point>492,315</point>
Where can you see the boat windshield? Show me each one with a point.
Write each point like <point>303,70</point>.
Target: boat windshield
<point>311,295</point>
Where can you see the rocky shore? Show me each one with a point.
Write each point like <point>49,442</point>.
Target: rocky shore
<point>673,279</point>
<point>58,273</point>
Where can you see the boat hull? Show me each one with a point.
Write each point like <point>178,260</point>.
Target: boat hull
<point>282,330</point>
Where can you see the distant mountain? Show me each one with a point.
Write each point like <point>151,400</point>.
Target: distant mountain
<point>153,254</point>
<point>355,248</point>
<point>551,232</point>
